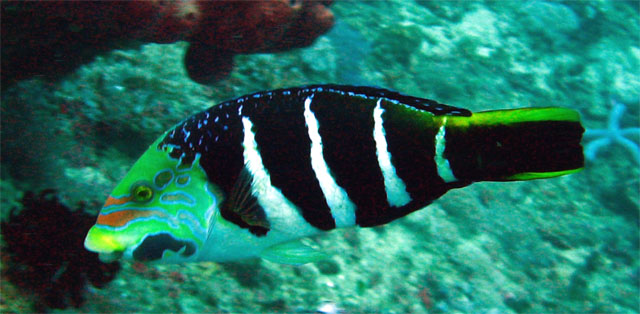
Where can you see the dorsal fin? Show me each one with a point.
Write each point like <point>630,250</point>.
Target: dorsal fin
<point>419,103</point>
<point>369,92</point>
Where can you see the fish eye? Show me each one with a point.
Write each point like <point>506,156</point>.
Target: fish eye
<point>141,192</point>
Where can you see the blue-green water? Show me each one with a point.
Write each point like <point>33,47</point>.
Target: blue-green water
<point>568,244</point>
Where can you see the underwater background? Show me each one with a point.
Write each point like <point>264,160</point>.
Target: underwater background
<point>563,245</point>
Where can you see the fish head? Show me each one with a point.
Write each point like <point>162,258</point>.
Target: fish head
<point>160,211</point>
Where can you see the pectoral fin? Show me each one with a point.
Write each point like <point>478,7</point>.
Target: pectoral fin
<point>243,204</point>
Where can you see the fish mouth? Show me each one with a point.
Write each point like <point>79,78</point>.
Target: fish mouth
<point>108,246</point>
<point>110,257</point>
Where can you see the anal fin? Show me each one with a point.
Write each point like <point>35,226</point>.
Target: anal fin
<point>292,253</point>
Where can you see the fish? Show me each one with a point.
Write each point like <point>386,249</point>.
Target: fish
<point>255,176</point>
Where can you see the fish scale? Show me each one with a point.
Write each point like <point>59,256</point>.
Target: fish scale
<point>269,168</point>
<point>348,143</point>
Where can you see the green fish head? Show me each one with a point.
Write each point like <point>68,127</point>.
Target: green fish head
<point>159,212</point>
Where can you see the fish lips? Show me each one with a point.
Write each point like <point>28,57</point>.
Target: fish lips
<point>109,249</point>
<point>110,257</point>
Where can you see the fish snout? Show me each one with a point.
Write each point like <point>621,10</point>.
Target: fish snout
<point>104,243</point>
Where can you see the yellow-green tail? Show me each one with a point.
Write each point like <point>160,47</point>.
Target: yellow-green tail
<point>518,144</point>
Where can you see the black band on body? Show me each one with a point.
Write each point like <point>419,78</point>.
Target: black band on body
<point>285,149</point>
<point>346,128</point>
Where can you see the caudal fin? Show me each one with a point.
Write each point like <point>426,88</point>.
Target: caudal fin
<point>519,144</point>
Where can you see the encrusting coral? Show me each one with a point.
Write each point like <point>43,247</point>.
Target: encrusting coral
<point>216,30</point>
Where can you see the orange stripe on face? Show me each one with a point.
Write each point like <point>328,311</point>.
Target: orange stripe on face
<point>121,218</point>
<point>116,201</point>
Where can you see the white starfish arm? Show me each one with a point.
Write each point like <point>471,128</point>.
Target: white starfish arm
<point>630,131</point>
<point>631,146</point>
<point>595,133</point>
<point>591,149</point>
<point>614,117</point>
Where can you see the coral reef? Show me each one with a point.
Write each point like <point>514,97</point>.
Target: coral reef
<point>216,30</point>
<point>354,48</point>
<point>613,134</point>
<point>567,245</point>
<point>44,252</point>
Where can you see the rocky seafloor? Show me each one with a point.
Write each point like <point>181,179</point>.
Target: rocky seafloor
<point>563,245</point>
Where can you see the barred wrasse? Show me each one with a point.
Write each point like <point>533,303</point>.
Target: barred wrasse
<point>250,176</point>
